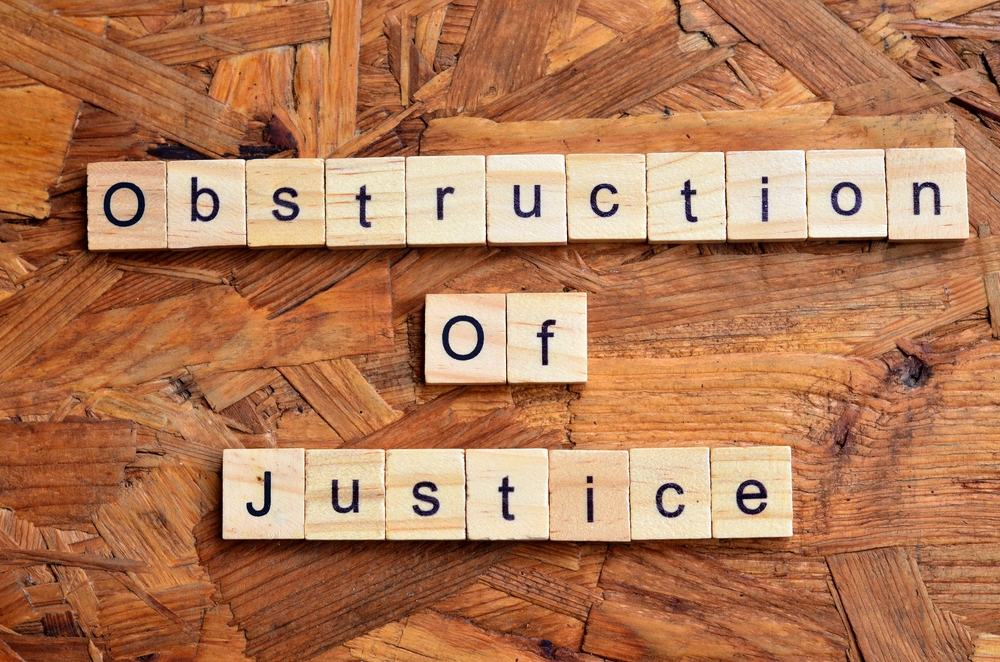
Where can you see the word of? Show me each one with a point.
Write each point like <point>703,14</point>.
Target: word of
<point>495,338</point>
<point>539,199</point>
<point>507,494</point>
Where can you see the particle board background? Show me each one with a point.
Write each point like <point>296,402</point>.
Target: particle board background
<point>124,376</point>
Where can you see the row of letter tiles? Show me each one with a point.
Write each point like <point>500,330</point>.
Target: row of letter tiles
<point>540,199</point>
<point>507,494</point>
<point>522,338</point>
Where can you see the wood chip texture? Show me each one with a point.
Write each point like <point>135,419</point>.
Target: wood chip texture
<point>124,377</point>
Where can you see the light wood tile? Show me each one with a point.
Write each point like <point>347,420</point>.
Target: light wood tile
<point>263,493</point>
<point>752,492</point>
<point>526,199</point>
<point>928,196</point>
<point>206,204</point>
<point>465,339</point>
<point>285,203</point>
<point>345,494</point>
<point>606,197</point>
<point>588,495</point>
<point>508,493</point>
<point>135,194</point>
<point>686,197</point>
<point>671,493</point>
<point>425,494</point>
<point>547,338</point>
<point>846,194</point>
<point>766,196</point>
<point>446,200</point>
<point>366,202</point>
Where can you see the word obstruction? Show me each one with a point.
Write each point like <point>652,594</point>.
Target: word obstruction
<point>531,199</point>
<point>507,494</point>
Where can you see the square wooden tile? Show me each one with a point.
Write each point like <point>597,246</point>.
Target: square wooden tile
<point>127,206</point>
<point>671,493</point>
<point>286,203</point>
<point>526,199</point>
<point>846,194</point>
<point>686,197</point>
<point>547,338</point>
<point>928,196</point>
<point>606,197</point>
<point>446,200</point>
<point>465,339</point>
<point>588,496</point>
<point>766,196</point>
<point>345,494</point>
<point>263,493</point>
<point>425,494</point>
<point>752,492</point>
<point>507,493</point>
<point>206,204</point>
<point>366,202</point>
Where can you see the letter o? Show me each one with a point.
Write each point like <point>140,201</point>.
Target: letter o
<point>480,337</point>
<point>835,199</point>
<point>140,206</point>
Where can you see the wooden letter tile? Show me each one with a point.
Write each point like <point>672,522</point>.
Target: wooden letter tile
<point>446,200</point>
<point>766,196</point>
<point>846,194</point>
<point>465,339</point>
<point>508,493</point>
<point>927,194</point>
<point>345,494</point>
<point>263,493</point>
<point>206,204</point>
<point>547,338</point>
<point>588,496</point>
<point>135,194</point>
<point>366,202</point>
<point>752,492</point>
<point>670,494</point>
<point>606,197</point>
<point>686,197</point>
<point>526,199</point>
<point>425,494</point>
<point>285,203</point>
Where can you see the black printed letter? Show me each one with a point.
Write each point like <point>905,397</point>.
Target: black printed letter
<point>505,489</point>
<point>835,199</point>
<point>362,197</point>
<point>287,204</point>
<point>763,201</point>
<point>140,204</point>
<point>659,500</point>
<point>742,495</point>
<point>435,504</point>
<point>536,211</point>
<point>441,193</point>
<point>446,338</point>
<point>196,193</point>
<point>687,192</point>
<point>267,498</point>
<point>545,334</point>
<point>335,497</point>
<point>593,200</point>
<point>917,188</point>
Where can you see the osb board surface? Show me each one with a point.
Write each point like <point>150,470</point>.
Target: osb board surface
<point>125,376</point>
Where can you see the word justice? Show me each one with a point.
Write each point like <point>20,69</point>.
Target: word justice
<point>507,494</point>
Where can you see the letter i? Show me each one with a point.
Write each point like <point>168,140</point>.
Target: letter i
<point>590,501</point>
<point>763,200</point>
